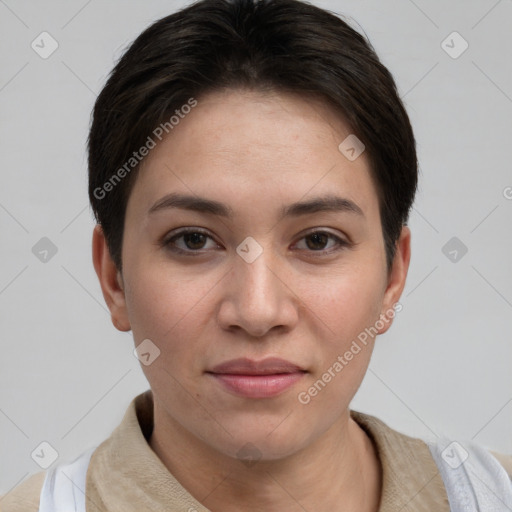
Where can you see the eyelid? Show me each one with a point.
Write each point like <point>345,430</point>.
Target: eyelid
<point>321,230</point>
<point>341,242</point>
<point>179,232</point>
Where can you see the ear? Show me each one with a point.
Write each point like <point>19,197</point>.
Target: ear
<point>396,279</point>
<point>110,280</point>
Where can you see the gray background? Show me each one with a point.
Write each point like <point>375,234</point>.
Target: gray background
<point>67,375</point>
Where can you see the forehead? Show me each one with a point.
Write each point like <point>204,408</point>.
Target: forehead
<point>241,146</point>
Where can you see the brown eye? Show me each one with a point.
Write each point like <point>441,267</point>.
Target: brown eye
<point>316,241</point>
<point>188,241</point>
<point>194,240</point>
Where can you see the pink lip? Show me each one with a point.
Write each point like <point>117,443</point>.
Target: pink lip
<point>257,379</point>
<point>244,366</point>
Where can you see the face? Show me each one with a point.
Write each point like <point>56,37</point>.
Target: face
<point>289,263</point>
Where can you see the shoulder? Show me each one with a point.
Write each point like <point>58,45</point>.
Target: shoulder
<point>413,446</point>
<point>505,460</point>
<point>410,477</point>
<point>25,496</point>
<point>421,472</point>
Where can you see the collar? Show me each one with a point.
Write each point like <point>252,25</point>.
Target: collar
<point>125,474</point>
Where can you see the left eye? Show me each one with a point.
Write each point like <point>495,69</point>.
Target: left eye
<point>321,238</point>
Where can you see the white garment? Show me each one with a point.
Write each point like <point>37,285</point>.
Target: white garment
<point>64,486</point>
<point>474,479</point>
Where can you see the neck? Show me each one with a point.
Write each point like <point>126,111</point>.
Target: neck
<point>340,471</point>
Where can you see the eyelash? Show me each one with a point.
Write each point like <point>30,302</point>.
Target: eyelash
<point>168,242</point>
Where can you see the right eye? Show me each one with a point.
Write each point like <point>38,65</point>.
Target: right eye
<point>193,241</point>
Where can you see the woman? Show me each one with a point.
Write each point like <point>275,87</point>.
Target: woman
<point>252,169</point>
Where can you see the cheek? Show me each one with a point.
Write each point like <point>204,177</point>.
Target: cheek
<point>347,305</point>
<point>167,307</point>
<point>172,313</point>
<point>346,301</point>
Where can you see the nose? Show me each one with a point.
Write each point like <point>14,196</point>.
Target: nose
<point>258,296</point>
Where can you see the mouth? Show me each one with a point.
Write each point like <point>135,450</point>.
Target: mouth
<point>257,379</point>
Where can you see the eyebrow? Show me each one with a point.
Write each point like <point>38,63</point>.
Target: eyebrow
<point>203,205</point>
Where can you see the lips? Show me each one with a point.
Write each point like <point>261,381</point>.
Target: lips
<point>257,379</point>
<point>269,366</point>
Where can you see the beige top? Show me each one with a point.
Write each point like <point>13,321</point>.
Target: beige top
<point>125,475</point>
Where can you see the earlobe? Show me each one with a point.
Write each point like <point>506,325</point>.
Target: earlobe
<point>397,278</point>
<point>111,281</point>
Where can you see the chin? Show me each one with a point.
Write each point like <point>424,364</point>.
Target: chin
<point>250,442</point>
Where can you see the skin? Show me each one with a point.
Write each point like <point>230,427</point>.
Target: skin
<point>256,152</point>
